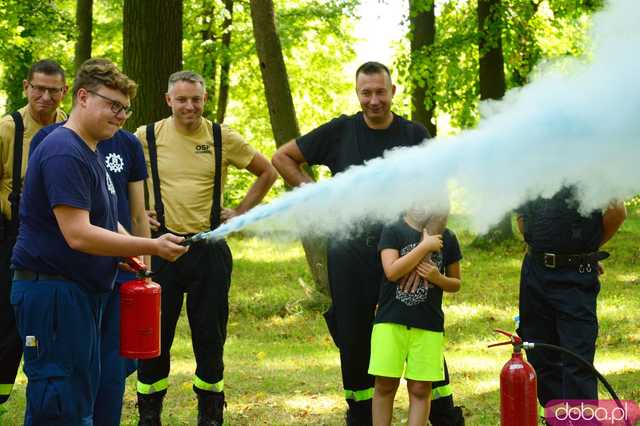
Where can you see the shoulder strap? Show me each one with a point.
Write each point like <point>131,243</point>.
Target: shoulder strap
<point>16,184</point>
<point>155,176</point>
<point>217,179</point>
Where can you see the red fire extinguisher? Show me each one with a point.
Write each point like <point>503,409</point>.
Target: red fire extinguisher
<point>139,314</point>
<point>518,387</point>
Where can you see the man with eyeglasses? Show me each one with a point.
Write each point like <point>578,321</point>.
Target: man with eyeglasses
<point>68,248</point>
<point>188,157</point>
<point>44,88</point>
<point>125,163</point>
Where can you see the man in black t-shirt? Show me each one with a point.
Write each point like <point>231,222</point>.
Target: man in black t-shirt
<point>353,265</point>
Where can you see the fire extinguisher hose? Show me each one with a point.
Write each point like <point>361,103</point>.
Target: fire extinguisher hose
<point>585,363</point>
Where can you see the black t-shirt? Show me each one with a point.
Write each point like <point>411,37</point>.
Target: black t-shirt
<point>422,309</point>
<point>347,141</point>
<point>555,225</point>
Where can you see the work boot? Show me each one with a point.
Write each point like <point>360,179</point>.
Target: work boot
<point>210,408</point>
<point>150,408</point>
<point>443,413</point>
<point>359,413</point>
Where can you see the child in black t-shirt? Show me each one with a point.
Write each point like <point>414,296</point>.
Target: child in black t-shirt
<point>409,324</point>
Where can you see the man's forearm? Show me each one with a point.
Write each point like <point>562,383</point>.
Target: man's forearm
<point>256,193</point>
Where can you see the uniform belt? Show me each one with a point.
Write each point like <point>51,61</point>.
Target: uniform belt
<point>560,260</point>
<point>26,275</point>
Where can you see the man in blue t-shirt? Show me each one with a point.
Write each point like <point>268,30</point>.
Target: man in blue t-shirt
<point>125,163</point>
<point>66,254</point>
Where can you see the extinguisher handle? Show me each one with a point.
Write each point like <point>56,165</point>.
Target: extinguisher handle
<point>135,263</point>
<point>514,339</point>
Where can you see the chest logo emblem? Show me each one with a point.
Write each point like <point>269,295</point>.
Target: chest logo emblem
<point>114,163</point>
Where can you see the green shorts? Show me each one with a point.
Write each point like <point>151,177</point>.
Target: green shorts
<point>393,345</point>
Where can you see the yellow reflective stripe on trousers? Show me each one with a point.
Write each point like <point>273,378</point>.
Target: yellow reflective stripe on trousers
<point>5,389</point>
<point>441,392</point>
<point>158,386</point>
<point>359,395</point>
<point>212,387</point>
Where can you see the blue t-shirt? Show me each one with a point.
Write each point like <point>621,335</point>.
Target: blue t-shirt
<point>65,171</point>
<point>124,159</point>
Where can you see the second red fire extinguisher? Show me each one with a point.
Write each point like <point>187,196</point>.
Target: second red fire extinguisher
<point>139,314</point>
<point>518,387</point>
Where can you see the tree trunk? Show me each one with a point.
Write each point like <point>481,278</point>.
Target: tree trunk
<point>282,114</point>
<point>210,60</point>
<point>84,21</point>
<point>492,83</point>
<point>152,50</point>
<point>225,62</point>
<point>423,31</point>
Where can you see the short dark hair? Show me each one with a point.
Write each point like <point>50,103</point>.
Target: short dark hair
<point>46,66</point>
<point>373,68</point>
<point>96,72</point>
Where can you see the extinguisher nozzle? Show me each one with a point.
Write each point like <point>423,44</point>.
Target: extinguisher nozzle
<point>194,239</point>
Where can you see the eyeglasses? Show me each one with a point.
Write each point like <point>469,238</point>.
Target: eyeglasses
<point>116,107</point>
<point>53,91</point>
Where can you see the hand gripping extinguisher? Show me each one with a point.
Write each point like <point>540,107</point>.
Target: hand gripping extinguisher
<point>139,314</point>
<point>518,387</point>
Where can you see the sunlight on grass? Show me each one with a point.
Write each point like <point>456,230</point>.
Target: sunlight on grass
<point>253,249</point>
<point>316,403</point>
<point>468,312</point>
<point>628,278</point>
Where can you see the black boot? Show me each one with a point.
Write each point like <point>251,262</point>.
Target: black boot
<point>444,413</point>
<point>359,413</point>
<point>150,408</point>
<point>210,408</point>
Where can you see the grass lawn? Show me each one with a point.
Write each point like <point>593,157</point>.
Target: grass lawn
<point>282,367</point>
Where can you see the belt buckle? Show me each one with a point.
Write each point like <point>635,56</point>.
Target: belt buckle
<point>549,260</point>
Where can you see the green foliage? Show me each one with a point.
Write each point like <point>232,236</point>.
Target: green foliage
<point>107,30</point>
<point>26,36</point>
<point>532,32</point>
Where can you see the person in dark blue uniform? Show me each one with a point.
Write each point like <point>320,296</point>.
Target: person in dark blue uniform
<point>559,287</point>
<point>124,160</point>
<point>66,254</point>
<point>353,265</point>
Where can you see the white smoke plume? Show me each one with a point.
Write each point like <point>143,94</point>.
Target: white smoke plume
<point>580,126</point>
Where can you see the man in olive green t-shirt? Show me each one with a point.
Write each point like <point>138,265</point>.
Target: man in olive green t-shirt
<point>181,199</point>
<point>44,88</point>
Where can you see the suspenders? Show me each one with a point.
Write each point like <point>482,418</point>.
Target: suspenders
<point>217,180</point>
<point>16,182</point>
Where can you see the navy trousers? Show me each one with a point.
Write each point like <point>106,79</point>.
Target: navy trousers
<point>558,306</point>
<point>204,274</point>
<point>59,325</point>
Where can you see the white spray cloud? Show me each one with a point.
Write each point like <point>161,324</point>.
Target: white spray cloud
<point>579,127</point>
